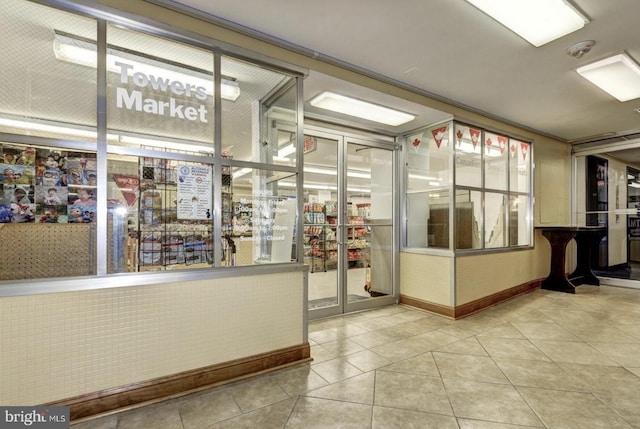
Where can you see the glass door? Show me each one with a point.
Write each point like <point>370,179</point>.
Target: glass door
<point>369,237</point>
<point>349,223</point>
<point>320,222</point>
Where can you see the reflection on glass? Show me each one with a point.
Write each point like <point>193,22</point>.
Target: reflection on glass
<point>468,156</point>
<point>260,126</point>
<point>468,219</point>
<point>159,92</point>
<point>65,93</point>
<point>321,221</point>
<point>519,222</point>
<point>370,173</point>
<point>427,156</point>
<point>428,223</point>
<point>495,215</point>
<point>520,166</point>
<point>262,213</point>
<point>495,161</point>
<point>160,214</point>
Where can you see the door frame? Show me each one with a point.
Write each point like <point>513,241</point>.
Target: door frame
<point>343,138</point>
<point>579,151</point>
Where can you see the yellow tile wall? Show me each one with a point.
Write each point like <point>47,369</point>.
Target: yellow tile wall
<point>483,275</point>
<point>426,277</point>
<point>60,345</point>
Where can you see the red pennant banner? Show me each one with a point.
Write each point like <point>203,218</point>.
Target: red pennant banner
<point>439,134</point>
<point>502,144</point>
<point>524,147</point>
<point>459,135</point>
<point>416,144</point>
<point>513,149</point>
<point>475,137</point>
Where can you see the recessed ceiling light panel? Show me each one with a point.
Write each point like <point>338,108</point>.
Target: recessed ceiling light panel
<point>360,109</point>
<point>618,75</point>
<point>536,21</point>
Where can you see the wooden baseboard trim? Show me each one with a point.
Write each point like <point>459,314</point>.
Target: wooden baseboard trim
<point>473,306</point>
<point>119,398</point>
<point>442,310</point>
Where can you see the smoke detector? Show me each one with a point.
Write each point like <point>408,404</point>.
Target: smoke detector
<point>580,48</point>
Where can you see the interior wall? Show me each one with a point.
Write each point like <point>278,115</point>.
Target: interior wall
<point>426,277</point>
<point>61,345</point>
<point>476,275</point>
<point>552,183</point>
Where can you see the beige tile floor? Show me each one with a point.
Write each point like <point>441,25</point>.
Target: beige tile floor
<point>543,360</point>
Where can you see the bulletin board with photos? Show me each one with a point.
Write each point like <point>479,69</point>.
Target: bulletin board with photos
<point>46,185</point>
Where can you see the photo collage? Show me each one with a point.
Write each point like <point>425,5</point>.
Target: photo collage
<point>39,185</point>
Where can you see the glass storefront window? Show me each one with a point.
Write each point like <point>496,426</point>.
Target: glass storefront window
<point>47,212</point>
<point>468,155</point>
<point>160,214</point>
<point>428,158</point>
<point>469,219</point>
<point>174,195</point>
<point>262,128</point>
<point>495,215</point>
<point>519,221</point>
<point>519,166</point>
<point>495,161</point>
<point>428,176</point>
<point>428,223</point>
<point>159,93</point>
<point>263,217</point>
<point>44,94</point>
<point>492,189</point>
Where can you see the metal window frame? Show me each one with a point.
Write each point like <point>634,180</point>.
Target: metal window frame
<point>104,16</point>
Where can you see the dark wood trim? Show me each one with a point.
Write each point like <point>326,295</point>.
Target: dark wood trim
<point>442,310</point>
<point>472,307</point>
<point>146,392</point>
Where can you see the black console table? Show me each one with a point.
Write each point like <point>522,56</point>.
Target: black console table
<point>587,239</point>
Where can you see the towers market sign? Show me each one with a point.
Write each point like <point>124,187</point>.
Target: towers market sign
<point>133,99</point>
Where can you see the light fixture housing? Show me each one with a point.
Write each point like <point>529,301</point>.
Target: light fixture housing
<point>81,51</point>
<point>618,75</point>
<point>360,109</point>
<point>537,21</point>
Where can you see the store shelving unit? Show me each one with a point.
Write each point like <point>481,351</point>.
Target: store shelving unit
<point>320,237</point>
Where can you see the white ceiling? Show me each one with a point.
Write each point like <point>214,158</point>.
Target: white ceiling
<point>452,50</point>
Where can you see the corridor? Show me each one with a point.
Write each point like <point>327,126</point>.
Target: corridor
<point>545,359</point>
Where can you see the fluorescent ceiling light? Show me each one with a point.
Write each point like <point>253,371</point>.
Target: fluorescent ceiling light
<point>83,52</point>
<point>241,172</point>
<point>165,144</point>
<point>285,151</point>
<point>618,75</point>
<point>92,135</point>
<point>361,109</point>
<point>536,21</point>
<point>421,177</point>
<point>360,174</point>
<point>54,129</point>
